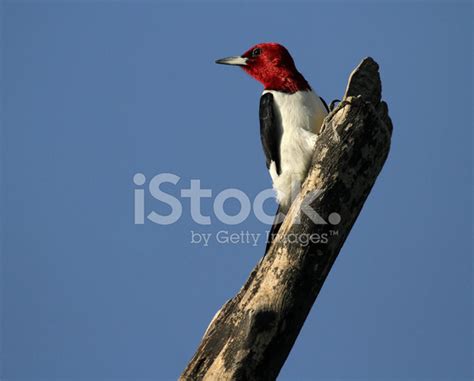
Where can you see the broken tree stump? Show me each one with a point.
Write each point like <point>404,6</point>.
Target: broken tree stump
<point>252,334</point>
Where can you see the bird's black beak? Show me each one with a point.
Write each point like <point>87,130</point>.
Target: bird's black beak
<point>234,60</point>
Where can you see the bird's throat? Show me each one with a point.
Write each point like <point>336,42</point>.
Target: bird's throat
<point>286,80</point>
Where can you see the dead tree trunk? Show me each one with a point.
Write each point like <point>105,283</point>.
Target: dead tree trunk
<point>253,333</point>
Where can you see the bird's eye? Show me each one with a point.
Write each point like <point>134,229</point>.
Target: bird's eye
<point>256,52</point>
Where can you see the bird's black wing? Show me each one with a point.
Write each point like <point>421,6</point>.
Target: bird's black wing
<point>270,131</point>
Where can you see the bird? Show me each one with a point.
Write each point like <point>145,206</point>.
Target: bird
<point>291,116</point>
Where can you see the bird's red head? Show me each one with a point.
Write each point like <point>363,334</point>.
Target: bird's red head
<point>271,64</point>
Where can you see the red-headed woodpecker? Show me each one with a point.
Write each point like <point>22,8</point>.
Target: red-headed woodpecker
<point>291,115</point>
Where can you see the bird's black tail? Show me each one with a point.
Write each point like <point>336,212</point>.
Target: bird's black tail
<point>274,230</point>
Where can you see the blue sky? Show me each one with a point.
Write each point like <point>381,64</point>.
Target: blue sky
<point>95,92</point>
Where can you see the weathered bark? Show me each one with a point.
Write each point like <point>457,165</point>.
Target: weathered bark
<point>253,333</point>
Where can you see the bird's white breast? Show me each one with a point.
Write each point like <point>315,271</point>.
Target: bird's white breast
<point>300,116</point>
